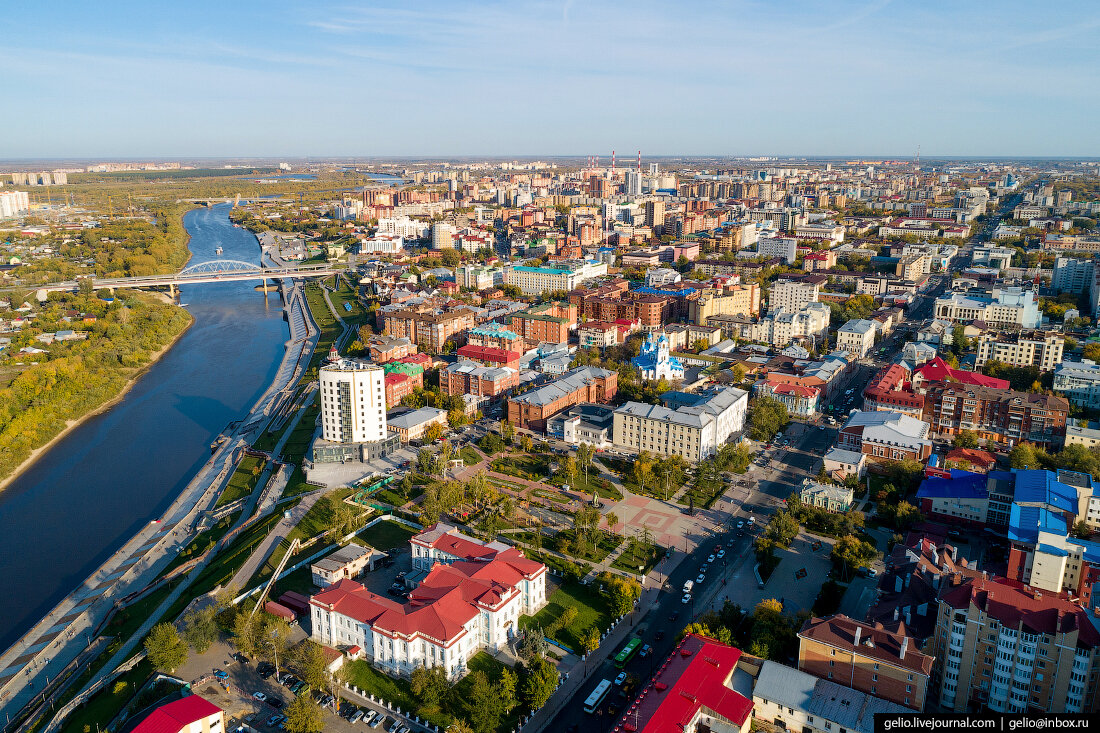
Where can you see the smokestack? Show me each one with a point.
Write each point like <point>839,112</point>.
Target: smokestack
<point>612,162</point>
<point>904,647</point>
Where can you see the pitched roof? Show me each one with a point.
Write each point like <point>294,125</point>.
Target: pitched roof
<point>938,370</point>
<point>872,642</point>
<point>696,675</point>
<point>177,715</point>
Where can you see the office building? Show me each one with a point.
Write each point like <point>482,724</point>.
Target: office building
<point>886,435</point>
<point>564,275</point>
<point>1079,381</point>
<point>693,431</point>
<point>1006,306</point>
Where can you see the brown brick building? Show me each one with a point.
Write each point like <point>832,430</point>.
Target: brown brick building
<point>549,322</point>
<point>867,658</point>
<point>532,409</point>
<point>428,327</point>
<point>998,415</point>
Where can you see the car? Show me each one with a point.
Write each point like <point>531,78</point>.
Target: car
<point>275,720</point>
<point>721,554</point>
<point>710,558</point>
<point>221,674</point>
<point>686,598</point>
<point>259,696</point>
<point>299,686</point>
<point>620,679</point>
<point>356,716</point>
<point>368,717</point>
<point>646,649</point>
<point>740,524</point>
<point>389,724</point>
<point>276,702</point>
<point>703,568</point>
<point>700,578</point>
<point>240,657</point>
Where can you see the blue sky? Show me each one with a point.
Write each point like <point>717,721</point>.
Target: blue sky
<point>784,77</point>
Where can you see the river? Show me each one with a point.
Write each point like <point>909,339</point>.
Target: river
<point>114,473</point>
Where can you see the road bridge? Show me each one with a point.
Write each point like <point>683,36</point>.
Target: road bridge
<point>203,272</point>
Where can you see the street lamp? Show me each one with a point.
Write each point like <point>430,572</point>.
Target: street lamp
<point>275,651</point>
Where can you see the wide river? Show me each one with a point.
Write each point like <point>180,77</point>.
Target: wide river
<point>119,470</point>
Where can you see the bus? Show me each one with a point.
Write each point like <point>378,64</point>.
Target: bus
<point>627,652</point>
<point>598,696</point>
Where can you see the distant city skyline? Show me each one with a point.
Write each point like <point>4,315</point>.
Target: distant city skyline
<point>876,78</point>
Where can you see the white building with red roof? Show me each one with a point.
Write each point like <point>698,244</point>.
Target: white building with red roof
<point>191,714</point>
<point>693,690</point>
<point>471,598</point>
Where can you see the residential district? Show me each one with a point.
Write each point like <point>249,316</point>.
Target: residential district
<point>623,446</point>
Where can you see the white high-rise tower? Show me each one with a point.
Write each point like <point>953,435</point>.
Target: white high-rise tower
<point>353,401</point>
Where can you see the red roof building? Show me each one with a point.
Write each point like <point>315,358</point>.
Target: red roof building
<point>979,460</point>
<point>490,356</point>
<point>890,390</point>
<point>470,598</point>
<point>937,370</point>
<point>691,691</point>
<point>191,714</point>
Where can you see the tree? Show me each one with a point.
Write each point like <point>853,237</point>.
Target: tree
<point>430,685</point>
<point>966,439</point>
<point>200,628</point>
<point>433,433</point>
<point>738,373</point>
<point>767,416</point>
<point>622,593</point>
<point>850,553</point>
<point>590,639</point>
<point>456,418</point>
<point>612,521</point>
<point>164,647</point>
<point>309,659</point>
<point>460,725</point>
<point>782,529</point>
<point>958,340</point>
<point>1023,455</point>
<point>1081,529</point>
<point>487,705</point>
<point>274,640</point>
<point>303,715</point>
<point>532,644</point>
<point>246,633</point>
<point>539,682</point>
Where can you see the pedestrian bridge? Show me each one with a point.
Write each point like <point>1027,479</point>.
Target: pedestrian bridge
<point>201,272</point>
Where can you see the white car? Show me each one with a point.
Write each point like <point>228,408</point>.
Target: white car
<point>259,696</point>
<point>721,554</point>
<point>700,579</point>
<point>686,598</point>
<point>710,558</point>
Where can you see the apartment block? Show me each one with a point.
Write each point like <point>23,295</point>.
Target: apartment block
<point>428,326</point>
<point>731,300</point>
<point>546,323</point>
<point>532,409</point>
<point>865,657</point>
<point>792,294</point>
<point>693,431</point>
<point>1002,645</point>
<point>996,415</point>
<point>1041,349</point>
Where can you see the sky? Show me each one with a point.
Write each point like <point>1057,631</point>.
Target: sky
<point>424,78</point>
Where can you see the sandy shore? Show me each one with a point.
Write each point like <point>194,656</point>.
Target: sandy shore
<point>71,425</point>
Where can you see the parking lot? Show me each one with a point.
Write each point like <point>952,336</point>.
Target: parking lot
<point>382,579</point>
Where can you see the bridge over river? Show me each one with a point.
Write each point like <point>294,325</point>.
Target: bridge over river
<point>203,272</point>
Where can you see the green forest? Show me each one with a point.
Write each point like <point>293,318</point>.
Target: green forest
<point>76,377</point>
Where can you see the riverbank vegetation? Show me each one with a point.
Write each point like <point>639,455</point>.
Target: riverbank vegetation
<point>63,381</point>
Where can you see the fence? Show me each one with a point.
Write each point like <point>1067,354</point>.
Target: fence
<point>85,695</point>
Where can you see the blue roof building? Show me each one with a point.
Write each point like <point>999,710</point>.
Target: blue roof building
<point>655,360</point>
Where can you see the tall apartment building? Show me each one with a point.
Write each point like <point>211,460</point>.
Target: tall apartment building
<point>693,432</point>
<point>865,657</point>
<point>654,213</point>
<point>1014,649</point>
<point>792,294</point>
<point>783,247</point>
<point>782,326</point>
<point>731,300</point>
<point>443,235</point>
<point>353,401</point>
<point>1072,275</point>
<point>1079,381</point>
<point>1041,349</point>
<point>13,203</point>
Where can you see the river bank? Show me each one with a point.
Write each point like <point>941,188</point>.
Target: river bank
<point>74,423</point>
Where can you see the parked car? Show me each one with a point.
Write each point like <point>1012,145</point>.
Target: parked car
<point>686,598</point>
<point>700,579</point>
<point>356,716</point>
<point>275,720</point>
<point>221,674</point>
<point>259,696</point>
<point>646,649</point>
<point>275,702</point>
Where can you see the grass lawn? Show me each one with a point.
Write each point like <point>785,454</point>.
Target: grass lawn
<point>397,692</point>
<point>768,565</point>
<point>203,541</point>
<point>243,480</point>
<point>585,486</point>
<point>300,581</point>
<point>550,496</point>
<point>385,535</point>
<point>592,609</point>
<point>828,599</point>
<point>106,704</point>
<point>469,455</point>
<point>319,516</point>
<point>605,543</point>
<point>704,492</point>
<point>647,557</point>
<point>532,468</point>
<point>392,495</point>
